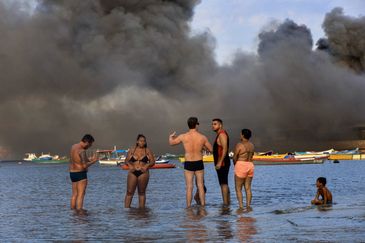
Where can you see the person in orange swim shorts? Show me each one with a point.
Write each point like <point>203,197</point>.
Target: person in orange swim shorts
<point>244,168</point>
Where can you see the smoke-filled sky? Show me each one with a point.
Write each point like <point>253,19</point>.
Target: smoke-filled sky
<point>118,68</point>
<point>236,24</point>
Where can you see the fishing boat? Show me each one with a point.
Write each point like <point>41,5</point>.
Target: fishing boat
<point>286,161</point>
<point>45,158</point>
<point>155,166</point>
<point>161,160</point>
<point>112,156</point>
<point>352,154</point>
<point>207,158</point>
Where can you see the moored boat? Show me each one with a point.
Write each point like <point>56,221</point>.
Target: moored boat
<point>112,156</point>
<point>45,158</point>
<point>206,158</point>
<point>160,160</point>
<point>285,161</point>
<point>155,166</point>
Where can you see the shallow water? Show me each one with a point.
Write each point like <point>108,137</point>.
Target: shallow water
<point>34,205</point>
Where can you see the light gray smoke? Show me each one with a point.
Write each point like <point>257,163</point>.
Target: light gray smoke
<point>119,68</point>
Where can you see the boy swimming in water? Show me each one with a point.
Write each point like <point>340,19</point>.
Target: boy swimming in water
<point>326,195</point>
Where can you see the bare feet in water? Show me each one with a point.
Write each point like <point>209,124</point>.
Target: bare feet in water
<point>197,199</point>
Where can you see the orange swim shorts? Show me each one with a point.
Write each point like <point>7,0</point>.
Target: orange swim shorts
<point>244,169</point>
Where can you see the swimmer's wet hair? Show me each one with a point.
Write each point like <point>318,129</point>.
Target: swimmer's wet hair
<point>246,133</point>
<point>192,122</point>
<point>322,180</point>
<point>87,138</point>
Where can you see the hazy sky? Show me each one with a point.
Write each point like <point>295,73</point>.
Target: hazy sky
<point>236,23</point>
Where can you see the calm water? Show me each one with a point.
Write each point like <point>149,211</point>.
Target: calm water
<point>34,205</point>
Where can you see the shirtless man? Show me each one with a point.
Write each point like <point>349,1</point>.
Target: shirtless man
<point>79,164</point>
<point>244,168</point>
<point>323,192</point>
<point>193,142</point>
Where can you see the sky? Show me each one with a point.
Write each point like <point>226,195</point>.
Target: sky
<point>235,24</point>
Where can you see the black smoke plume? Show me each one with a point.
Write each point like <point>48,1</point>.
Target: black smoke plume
<point>119,68</point>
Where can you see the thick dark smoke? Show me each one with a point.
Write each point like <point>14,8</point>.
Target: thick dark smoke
<point>345,39</point>
<point>118,68</point>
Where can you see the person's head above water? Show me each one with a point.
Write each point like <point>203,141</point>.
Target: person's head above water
<point>246,133</point>
<point>141,141</point>
<point>192,122</point>
<point>322,180</point>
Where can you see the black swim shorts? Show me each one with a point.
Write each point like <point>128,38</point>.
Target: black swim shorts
<point>78,176</point>
<point>194,165</point>
<point>223,175</point>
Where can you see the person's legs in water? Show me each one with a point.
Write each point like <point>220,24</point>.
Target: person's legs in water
<point>238,185</point>
<point>189,178</point>
<point>74,195</point>
<point>200,181</point>
<point>226,194</point>
<point>223,182</point>
<point>247,185</point>
<point>196,196</point>
<point>131,187</point>
<point>81,190</point>
<point>142,185</point>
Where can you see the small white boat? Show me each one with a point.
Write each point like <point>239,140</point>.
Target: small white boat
<point>30,157</point>
<point>112,157</point>
<point>44,158</point>
<point>160,160</point>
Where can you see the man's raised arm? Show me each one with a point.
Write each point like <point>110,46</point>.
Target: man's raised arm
<point>173,139</point>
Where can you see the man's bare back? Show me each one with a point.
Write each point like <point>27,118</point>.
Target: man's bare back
<point>77,158</point>
<point>193,142</point>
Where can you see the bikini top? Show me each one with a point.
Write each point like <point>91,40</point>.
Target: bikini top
<point>144,159</point>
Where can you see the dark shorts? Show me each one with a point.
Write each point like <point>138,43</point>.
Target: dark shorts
<point>194,165</point>
<point>78,176</point>
<point>223,175</point>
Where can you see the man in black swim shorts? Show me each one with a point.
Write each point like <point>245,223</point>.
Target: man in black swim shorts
<point>79,164</point>
<point>193,142</point>
<point>222,161</point>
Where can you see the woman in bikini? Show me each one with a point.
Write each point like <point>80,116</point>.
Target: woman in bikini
<point>244,168</point>
<point>139,160</point>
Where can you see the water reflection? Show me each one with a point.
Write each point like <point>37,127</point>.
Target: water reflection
<point>195,230</point>
<point>224,226</point>
<point>143,214</point>
<point>245,228</point>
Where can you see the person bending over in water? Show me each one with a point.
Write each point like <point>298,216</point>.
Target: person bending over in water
<point>79,164</point>
<point>323,192</point>
<point>244,168</point>
<point>139,159</point>
<point>193,142</point>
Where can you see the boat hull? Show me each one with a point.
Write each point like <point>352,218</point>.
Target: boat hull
<point>206,159</point>
<point>56,161</point>
<point>286,161</point>
<point>156,166</point>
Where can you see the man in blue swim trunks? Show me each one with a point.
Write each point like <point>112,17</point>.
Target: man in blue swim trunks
<point>79,164</point>
<point>193,142</point>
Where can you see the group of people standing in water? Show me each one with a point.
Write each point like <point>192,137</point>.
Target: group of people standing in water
<point>140,158</point>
